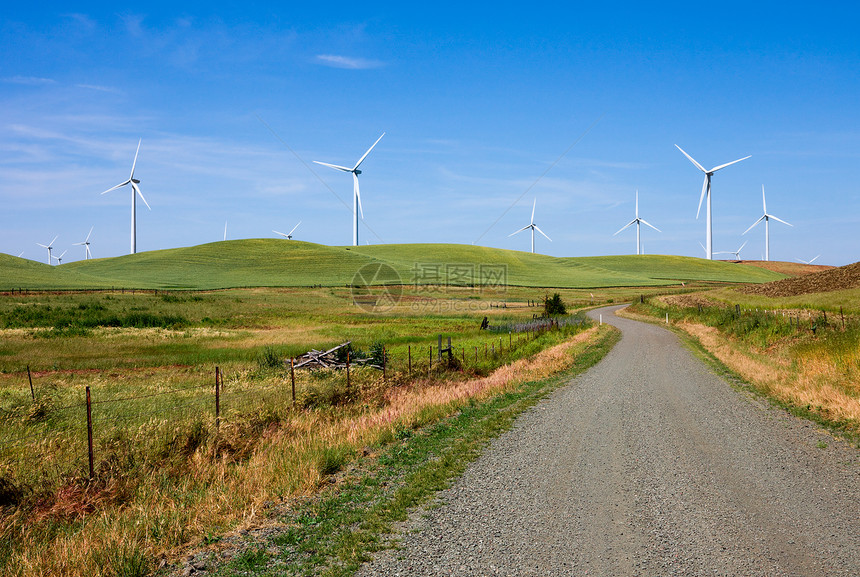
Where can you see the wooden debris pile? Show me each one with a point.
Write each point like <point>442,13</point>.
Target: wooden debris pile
<point>332,359</point>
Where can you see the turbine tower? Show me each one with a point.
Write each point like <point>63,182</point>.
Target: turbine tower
<point>356,196</point>
<point>706,191</point>
<point>637,221</point>
<point>48,246</point>
<point>289,235</point>
<point>135,190</point>
<point>766,218</point>
<point>86,243</point>
<point>737,253</point>
<point>532,226</point>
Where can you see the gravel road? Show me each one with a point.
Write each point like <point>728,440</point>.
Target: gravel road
<point>647,464</point>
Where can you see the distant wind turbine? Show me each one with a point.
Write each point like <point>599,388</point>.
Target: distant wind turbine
<point>59,259</point>
<point>225,229</point>
<point>737,253</point>
<point>706,191</point>
<point>135,190</point>
<point>86,243</point>
<point>532,226</point>
<point>356,196</point>
<point>20,254</point>
<point>807,261</point>
<point>289,235</point>
<point>637,222</point>
<point>766,218</point>
<point>48,246</point>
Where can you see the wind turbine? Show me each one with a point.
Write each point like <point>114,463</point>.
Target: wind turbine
<point>59,259</point>
<point>766,218</point>
<point>134,190</point>
<point>706,191</point>
<point>532,226</point>
<point>356,197</point>
<point>86,243</point>
<point>637,221</point>
<point>289,235</point>
<point>807,261</point>
<point>737,253</point>
<point>48,246</point>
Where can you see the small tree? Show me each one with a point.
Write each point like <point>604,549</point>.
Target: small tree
<point>554,306</point>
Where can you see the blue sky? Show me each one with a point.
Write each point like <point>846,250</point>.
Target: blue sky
<point>483,110</point>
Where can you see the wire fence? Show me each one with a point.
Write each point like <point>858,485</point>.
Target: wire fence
<point>45,441</point>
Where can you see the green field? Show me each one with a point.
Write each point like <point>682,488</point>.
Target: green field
<point>278,263</point>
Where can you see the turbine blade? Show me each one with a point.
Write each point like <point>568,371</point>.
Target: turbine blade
<point>626,226</point>
<point>534,204</point>
<point>701,198</point>
<point>779,219</point>
<point>357,193</point>
<point>699,166</point>
<point>334,166</point>
<point>360,160</point>
<point>89,233</point>
<point>753,225</point>
<point>729,163</point>
<point>117,186</point>
<point>133,164</point>
<point>537,228</point>
<point>294,228</point>
<point>637,203</point>
<point>813,260</point>
<point>763,203</point>
<point>42,245</point>
<point>519,231</point>
<point>140,194</point>
<point>280,233</point>
<point>643,221</point>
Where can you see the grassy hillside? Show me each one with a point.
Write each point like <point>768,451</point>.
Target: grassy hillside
<point>274,262</point>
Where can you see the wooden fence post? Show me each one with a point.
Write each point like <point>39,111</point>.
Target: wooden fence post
<point>293,378</point>
<point>90,433</point>
<point>840,314</point>
<point>430,366</point>
<point>383,364</point>
<point>410,361</point>
<point>347,371</point>
<point>33,391</point>
<point>217,401</point>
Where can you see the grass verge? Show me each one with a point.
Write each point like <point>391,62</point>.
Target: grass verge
<point>334,533</point>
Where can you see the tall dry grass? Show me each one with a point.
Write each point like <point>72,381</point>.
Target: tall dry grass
<point>119,525</point>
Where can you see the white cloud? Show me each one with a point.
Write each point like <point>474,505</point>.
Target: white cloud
<point>98,88</point>
<point>29,80</point>
<point>337,61</point>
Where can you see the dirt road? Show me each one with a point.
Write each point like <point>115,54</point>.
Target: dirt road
<point>648,464</point>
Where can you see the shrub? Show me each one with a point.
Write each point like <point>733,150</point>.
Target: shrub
<point>554,306</point>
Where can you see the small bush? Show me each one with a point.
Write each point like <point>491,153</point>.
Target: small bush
<point>269,358</point>
<point>554,306</point>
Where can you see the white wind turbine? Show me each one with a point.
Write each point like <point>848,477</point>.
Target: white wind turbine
<point>706,191</point>
<point>48,246</point>
<point>637,222</point>
<point>134,190</point>
<point>532,226</point>
<point>766,218</point>
<point>808,261</point>
<point>356,196</point>
<point>225,229</point>
<point>59,259</point>
<point>86,243</point>
<point>737,253</point>
<point>289,235</point>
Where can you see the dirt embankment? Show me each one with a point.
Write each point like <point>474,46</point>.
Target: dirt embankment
<point>844,277</point>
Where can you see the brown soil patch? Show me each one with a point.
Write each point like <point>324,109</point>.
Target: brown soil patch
<point>833,279</point>
<point>786,268</point>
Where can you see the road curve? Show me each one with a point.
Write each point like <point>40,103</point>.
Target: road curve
<point>647,464</point>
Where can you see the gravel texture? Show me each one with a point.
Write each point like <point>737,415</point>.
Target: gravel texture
<point>647,464</point>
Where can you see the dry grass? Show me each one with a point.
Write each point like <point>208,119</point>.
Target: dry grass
<point>119,524</point>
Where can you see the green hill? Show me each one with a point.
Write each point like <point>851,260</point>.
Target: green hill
<point>275,262</point>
